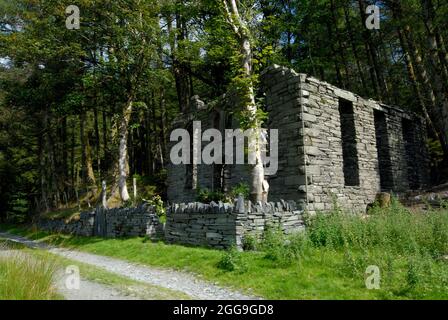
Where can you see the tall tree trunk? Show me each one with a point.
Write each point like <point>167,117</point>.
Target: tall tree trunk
<point>354,49</point>
<point>412,77</point>
<point>82,139</point>
<point>97,141</point>
<point>180,72</point>
<point>423,77</point>
<point>105,142</point>
<point>239,26</point>
<point>64,151</point>
<point>162,106</point>
<point>150,133</point>
<point>377,77</point>
<point>339,78</point>
<point>72,153</point>
<point>438,70</point>
<point>43,163</point>
<point>123,164</point>
<point>341,49</point>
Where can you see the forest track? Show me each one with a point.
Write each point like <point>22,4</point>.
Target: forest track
<point>174,280</point>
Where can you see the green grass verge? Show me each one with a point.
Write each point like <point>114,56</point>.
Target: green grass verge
<point>88,272</point>
<point>22,278</point>
<point>329,261</point>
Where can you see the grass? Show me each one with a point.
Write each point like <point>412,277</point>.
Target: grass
<point>22,278</point>
<point>125,285</point>
<point>328,261</point>
<point>54,262</point>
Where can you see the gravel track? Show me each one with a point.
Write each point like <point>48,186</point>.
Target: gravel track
<point>174,280</point>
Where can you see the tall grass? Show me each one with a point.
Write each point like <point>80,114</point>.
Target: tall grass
<point>395,230</point>
<point>410,249</point>
<point>25,278</point>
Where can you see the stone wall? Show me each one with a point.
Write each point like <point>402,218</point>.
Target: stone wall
<point>335,148</point>
<point>218,225</point>
<point>221,225</point>
<point>82,225</point>
<point>113,223</point>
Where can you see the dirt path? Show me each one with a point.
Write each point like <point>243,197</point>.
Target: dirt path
<point>89,290</point>
<point>170,279</point>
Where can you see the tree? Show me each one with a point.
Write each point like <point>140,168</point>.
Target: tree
<point>247,96</point>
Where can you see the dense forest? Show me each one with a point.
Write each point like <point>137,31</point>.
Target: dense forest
<point>83,105</point>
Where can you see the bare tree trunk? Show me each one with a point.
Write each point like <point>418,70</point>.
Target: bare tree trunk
<point>90,173</point>
<point>72,155</point>
<point>240,28</point>
<point>162,126</point>
<point>438,70</point>
<point>64,151</point>
<point>82,123</point>
<point>354,49</point>
<point>88,176</point>
<point>340,81</point>
<point>377,77</point>
<point>150,142</point>
<point>97,141</point>
<point>412,77</point>
<point>341,49</point>
<point>105,142</point>
<point>429,95</point>
<point>180,73</point>
<point>123,164</point>
<point>42,164</point>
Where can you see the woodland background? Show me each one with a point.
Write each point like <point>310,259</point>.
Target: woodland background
<point>69,99</point>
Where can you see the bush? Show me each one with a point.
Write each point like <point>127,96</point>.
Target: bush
<point>159,206</point>
<point>240,188</point>
<point>207,196</point>
<point>249,242</point>
<point>281,248</point>
<point>232,260</point>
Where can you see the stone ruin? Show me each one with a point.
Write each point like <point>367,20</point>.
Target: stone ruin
<point>333,146</point>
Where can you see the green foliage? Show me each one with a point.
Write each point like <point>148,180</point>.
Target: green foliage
<point>250,242</point>
<point>232,260</point>
<point>159,206</point>
<point>207,196</point>
<point>282,249</point>
<point>241,188</point>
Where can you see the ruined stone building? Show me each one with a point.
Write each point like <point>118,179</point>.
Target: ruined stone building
<point>333,146</point>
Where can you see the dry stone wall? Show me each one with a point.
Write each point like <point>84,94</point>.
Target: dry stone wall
<point>218,225</point>
<point>113,223</point>
<point>221,225</point>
